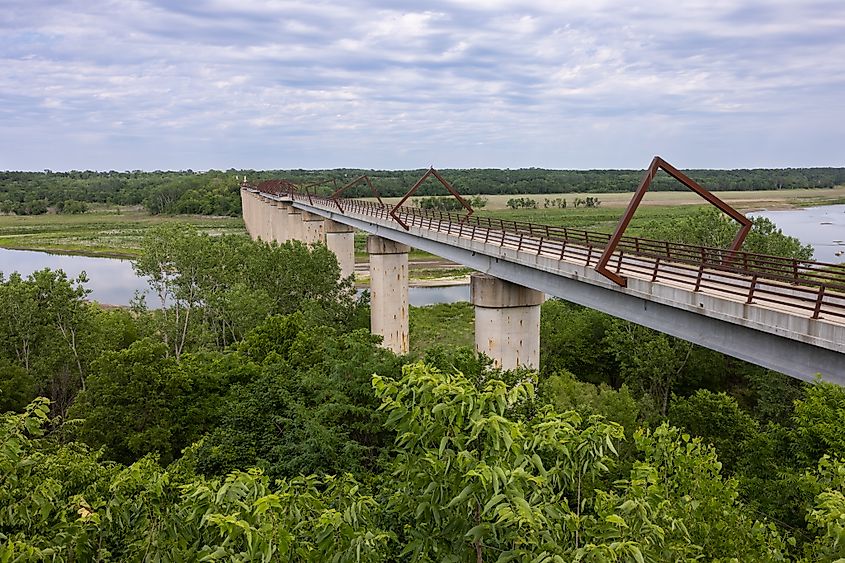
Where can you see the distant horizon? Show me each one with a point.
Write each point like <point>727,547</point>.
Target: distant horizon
<point>247,170</point>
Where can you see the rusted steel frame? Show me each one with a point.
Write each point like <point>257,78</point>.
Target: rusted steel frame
<point>430,172</point>
<point>818,308</point>
<point>656,164</point>
<point>334,197</point>
<point>316,184</point>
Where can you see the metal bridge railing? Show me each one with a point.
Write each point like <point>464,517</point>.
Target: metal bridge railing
<point>813,288</point>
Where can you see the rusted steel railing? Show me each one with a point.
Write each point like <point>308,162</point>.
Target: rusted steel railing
<point>815,288</point>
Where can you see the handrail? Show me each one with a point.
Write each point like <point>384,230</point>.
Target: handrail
<point>815,288</point>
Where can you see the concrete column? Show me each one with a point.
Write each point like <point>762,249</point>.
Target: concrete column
<point>312,228</point>
<point>295,226</point>
<point>268,213</point>
<point>340,239</point>
<point>245,209</point>
<point>389,292</point>
<point>280,221</point>
<point>507,321</point>
<point>258,217</point>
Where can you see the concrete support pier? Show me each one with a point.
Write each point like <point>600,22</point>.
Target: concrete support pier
<point>280,221</point>
<point>507,321</point>
<point>267,215</point>
<point>389,292</point>
<point>340,239</point>
<point>312,228</point>
<point>295,227</point>
<point>246,210</point>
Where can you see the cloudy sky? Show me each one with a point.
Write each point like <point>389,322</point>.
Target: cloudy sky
<point>157,84</point>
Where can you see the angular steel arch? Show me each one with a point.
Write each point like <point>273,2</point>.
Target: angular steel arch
<point>656,164</point>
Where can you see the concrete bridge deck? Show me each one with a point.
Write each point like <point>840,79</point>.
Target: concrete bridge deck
<point>792,328</point>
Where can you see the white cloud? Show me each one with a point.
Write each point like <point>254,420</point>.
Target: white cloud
<point>255,83</point>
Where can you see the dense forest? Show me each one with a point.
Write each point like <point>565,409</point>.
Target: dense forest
<point>216,192</point>
<point>254,418</point>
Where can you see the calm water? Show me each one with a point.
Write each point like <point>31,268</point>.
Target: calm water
<point>113,281</point>
<point>822,227</point>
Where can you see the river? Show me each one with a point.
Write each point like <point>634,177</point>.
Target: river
<point>113,281</point>
<point>822,227</point>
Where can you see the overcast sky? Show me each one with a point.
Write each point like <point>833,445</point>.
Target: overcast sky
<point>156,84</point>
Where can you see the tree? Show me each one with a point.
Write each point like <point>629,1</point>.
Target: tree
<point>649,361</point>
<point>308,405</point>
<point>711,228</point>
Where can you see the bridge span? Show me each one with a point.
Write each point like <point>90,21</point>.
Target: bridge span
<point>782,314</point>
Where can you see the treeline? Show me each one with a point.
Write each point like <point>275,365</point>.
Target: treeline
<point>254,418</point>
<point>184,192</point>
<point>216,192</point>
<point>544,181</point>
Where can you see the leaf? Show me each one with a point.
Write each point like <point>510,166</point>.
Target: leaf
<point>616,519</point>
<point>495,500</point>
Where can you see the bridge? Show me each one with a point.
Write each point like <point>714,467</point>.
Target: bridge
<point>783,314</point>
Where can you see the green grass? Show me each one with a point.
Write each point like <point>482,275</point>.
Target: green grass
<point>449,324</point>
<point>594,219</point>
<point>98,233</point>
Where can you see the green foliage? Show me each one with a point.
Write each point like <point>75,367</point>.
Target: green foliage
<point>63,504</point>
<point>47,331</point>
<point>826,517</point>
<point>709,227</point>
<point>572,339</point>
<point>522,203</point>
<point>307,408</point>
<point>818,422</point>
<point>565,393</point>
<point>718,420</point>
<point>140,400</point>
<point>649,361</point>
<point>71,207</point>
<point>449,203</point>
<point>216,192</point>
<point>217,288</point>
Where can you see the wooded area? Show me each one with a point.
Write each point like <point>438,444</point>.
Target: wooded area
<point>254,418</point>
<point>216,192</point>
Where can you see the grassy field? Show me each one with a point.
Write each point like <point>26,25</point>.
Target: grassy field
<point>98,233</point>
<point>449,324</point>
<point>744,200</point>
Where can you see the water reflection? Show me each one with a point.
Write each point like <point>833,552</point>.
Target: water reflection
<point>111,281</point>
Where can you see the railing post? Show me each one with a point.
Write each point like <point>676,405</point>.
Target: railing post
<point>589,254</point>
<point>656,268</point>
<point>751,289</point>
<point>819,300</point>
<point>698,279</point>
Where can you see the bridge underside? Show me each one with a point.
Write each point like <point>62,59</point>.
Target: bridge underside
<point>761,345</point>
